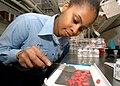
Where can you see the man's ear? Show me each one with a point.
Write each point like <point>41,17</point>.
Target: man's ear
<point>65,6</point>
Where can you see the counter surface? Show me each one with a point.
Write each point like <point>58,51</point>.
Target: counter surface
<point>105,69</point>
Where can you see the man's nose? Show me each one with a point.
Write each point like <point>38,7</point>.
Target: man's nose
<point>75,30</point>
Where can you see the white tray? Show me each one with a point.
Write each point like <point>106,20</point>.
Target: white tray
<point>94,70</point>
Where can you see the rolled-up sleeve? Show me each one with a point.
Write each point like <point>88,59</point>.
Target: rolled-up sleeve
<point>11,40</point>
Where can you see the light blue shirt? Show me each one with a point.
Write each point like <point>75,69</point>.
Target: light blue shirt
<point>28,30</point>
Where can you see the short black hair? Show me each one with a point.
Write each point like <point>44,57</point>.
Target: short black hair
<point>94,4</point>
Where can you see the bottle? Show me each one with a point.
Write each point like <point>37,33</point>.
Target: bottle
<point>96,52</point>
<point>116,72</point>
<point>112,44</point>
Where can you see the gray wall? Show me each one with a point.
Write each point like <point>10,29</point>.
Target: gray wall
<point>113,34</point>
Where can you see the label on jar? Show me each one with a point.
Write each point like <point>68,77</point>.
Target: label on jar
<point>116,74</point>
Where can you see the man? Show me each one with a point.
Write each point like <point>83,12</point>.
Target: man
<point>35,41</point>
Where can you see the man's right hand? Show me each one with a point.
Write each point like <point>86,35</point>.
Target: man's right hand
<point>33,58</point>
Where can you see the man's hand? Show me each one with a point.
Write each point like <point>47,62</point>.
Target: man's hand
<point>32,58</point>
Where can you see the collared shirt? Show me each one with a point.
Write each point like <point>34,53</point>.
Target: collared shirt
<point>28,30</point>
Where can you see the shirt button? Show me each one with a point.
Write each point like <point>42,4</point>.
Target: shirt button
<point>58,55</point>
<point>52,53</point>
<point>39,45</point>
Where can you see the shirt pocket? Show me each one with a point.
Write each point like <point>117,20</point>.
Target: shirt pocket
<point>49,51</point>
<point>43,48</point>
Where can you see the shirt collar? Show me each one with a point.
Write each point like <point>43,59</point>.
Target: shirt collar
<point>48,29</point>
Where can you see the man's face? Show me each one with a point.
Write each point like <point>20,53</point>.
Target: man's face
<point>73,20</point>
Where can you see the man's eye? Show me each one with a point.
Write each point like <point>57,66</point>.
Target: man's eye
<point>75,21</point>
